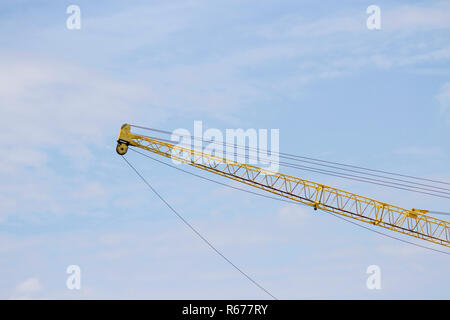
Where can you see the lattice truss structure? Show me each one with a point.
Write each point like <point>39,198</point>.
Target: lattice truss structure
<point>412,222</point>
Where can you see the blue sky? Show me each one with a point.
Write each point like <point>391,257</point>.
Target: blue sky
<point>334,89</point>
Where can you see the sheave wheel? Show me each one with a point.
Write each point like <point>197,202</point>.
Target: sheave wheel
<point>121,148</point>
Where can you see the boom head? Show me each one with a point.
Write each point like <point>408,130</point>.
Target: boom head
<point>124,139</point>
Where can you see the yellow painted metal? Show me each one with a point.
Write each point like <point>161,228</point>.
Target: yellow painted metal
<point>412,222</point>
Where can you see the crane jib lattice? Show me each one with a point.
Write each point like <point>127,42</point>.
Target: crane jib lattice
<point>412,222</point>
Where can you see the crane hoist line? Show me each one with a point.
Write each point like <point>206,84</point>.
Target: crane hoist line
<point>411,222</point>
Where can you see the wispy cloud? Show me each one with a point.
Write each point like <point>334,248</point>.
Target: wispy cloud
<point>415,18</point>
<point>59,103</point>
<point>294,215</point>
<point>443,98</point>
<point>423,151</point>
<point>27,289</point>
<point>65,99</point>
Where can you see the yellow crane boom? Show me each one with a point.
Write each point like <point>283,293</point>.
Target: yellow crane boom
<point>412,222</point>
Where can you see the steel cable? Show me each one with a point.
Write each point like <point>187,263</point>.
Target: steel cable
<point>297,158</point>
<point>390,184</point>
<point>196,232</point>
<point>293,202</point>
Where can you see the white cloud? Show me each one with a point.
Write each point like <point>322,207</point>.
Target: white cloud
<point>59,106</point>
<point>90,190</point>
<point>340,44</point>
<point>22,156</point>
<point>294,215</point>
<point>353,21</point>
<point>56,113</point>
<point>7,205</point>
<point>404,250</point>
<point>414,18</point>
<point>443,98</point>
<point>50,104</point>
<point>427,151</point>
<point>27,289</point>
